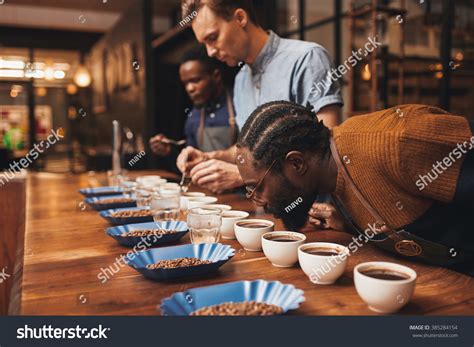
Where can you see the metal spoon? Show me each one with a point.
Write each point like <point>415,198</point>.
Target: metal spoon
<point>185,180</point>
<point>173,142</point>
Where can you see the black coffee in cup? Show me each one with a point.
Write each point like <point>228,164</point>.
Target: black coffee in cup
<point>324,251</point>
<point>282,238</point>
<point>252,225</point>
<point>231,215</point>
<point>385,274</point>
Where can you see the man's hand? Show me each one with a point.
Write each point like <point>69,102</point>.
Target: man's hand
<point>189,158</point>
<point>325,216</point>
<point>159,147</point>
<point>216,175</point>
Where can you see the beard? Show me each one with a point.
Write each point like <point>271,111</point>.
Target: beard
<point>294,218</point>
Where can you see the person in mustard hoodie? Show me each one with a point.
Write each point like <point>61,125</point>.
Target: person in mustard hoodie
<point>401,178</point>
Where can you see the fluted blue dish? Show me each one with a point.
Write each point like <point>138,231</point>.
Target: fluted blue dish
<point>94,202</point>
<point>180,227</point>
<point>125,220</point>
<point>276,293</point>
<point>218,253</point>
<point>101,191</point>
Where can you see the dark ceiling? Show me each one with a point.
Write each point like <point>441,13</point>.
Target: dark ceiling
<point>161,7</point>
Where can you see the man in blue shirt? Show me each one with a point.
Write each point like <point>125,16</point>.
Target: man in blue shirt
<point>210,125</point>
<point>275,69</point>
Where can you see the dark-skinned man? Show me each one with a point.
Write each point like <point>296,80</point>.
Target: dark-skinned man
<point>210,125</point>
<point>402,177</point>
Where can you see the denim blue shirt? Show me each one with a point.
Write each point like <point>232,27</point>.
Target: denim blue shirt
<point>285,70</point>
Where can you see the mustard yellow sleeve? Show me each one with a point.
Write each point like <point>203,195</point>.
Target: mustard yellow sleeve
<point>430,152</point>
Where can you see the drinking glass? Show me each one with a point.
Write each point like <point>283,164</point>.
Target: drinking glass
<point>150,181</point>
<point>144,196</point>
<point>122,178</point>
<point>204,224</point>
<point>113,178</point>
<point>165,208</point>
<point>168,190</point>
<point>128,187</point>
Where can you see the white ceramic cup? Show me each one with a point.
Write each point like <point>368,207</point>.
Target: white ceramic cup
<point>382,295</point>
<point>170,185</point>
<point>184,199</point>
<point>228,220</point>
<point>150,181</point>
<point>168,190</point>
<point>221,207</point>
<point>198,201</point>
<point>140,179</point>
<point>282,254</point>
<point>323,269</point>
<point>249,237</point>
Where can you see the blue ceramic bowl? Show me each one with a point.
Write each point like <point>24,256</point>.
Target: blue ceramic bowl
<point>125,220</point>
<point>216,252</point>
<point>180,227</point>
<point>94,202</point>
<point>101,191</point>
<point>285,296</point>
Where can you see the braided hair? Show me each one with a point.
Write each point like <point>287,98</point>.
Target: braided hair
<point>277,127</point>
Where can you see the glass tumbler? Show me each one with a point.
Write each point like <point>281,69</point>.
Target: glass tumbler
<point>144,197</point>
<point>204,224</point>
<point>165,208</point>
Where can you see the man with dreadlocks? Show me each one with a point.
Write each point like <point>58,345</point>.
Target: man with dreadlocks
<point>405,181</point>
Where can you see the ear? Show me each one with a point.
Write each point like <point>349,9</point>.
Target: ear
<point>296,163</point>
<point>241,17</point>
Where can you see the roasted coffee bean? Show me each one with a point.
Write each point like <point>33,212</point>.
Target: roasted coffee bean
<point>131,213</point>
<point>249,308</point>
<point>114,201</point>
<point>178,262</point>
<point>147,232</point>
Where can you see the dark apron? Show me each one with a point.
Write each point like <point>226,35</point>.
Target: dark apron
<point>217,138</point>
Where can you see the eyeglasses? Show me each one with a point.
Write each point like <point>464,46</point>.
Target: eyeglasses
<point>251,192</point>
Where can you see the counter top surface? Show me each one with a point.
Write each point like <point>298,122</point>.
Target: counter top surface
<point>66,247</point>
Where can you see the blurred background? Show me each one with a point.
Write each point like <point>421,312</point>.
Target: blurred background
<point>79,64</point>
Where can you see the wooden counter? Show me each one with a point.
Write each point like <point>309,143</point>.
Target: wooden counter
<point>12,232</point>
<point>65,249</point>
